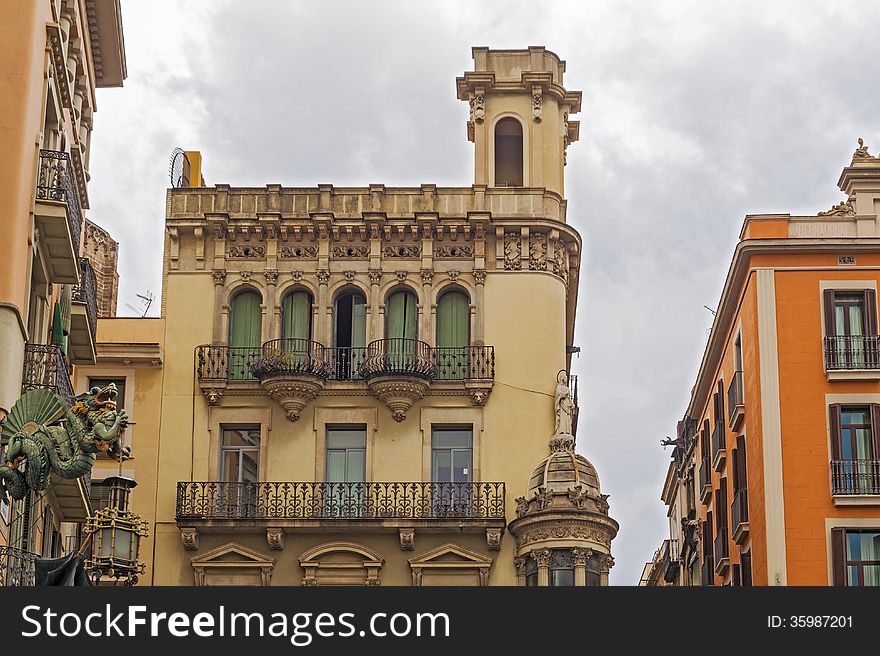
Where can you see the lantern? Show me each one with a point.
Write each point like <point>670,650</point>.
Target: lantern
<point>116,533</point>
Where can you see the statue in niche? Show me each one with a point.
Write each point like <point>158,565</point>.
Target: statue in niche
<point>563,405</point>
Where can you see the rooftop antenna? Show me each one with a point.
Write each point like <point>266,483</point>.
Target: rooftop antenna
<point>178,169</point>
<point>146,300</point>
<point>710,310</point>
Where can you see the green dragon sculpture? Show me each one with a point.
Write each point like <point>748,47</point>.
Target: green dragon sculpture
<point>42,435</point>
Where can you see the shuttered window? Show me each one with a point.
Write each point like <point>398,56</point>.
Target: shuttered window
<point>296,316</point>
<point>850,313</point>
<point>855,557</point>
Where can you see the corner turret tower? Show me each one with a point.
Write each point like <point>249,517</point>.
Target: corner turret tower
<point>519,117</point>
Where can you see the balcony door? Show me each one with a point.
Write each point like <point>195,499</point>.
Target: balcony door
<point>296,331</point>
<point>245,325</point>
<point>346,472</point>
<point>453,336</point>
<point>349,334</point>
<point>452,470</point>
<point>850,318</point>
<point>239,471</point>
<point>855,449</point>
<point>401,330</point>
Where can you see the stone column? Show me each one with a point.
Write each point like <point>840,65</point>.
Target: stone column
<point>425,323</point>
<point>220,318</point>
<point>479,301</point>
<point>323,309</point>
<point>542,557</point>
<point>604,568</point>
<point>520,564</point>
<point>580,557</point>
<point>273,311</point>
<point>374,327</point>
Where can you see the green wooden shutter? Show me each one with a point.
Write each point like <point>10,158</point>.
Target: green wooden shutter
<point>838,556</point>
<point>244,326</point>
<point>296,315</point>
<point>453,320</point>
<point>358,321</point>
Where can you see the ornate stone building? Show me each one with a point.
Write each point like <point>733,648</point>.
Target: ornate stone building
<point>356,382</point>
<point>102,251</point>
<point>54,55</point>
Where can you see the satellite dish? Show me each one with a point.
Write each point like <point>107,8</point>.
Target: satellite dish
<point>179,169</point>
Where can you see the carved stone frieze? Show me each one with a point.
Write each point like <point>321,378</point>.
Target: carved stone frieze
<point>512,251</point>
<point>350,251</point>
<point>538,252</point>
<point>453,251</point>
<point>245,251</point>
<point>298,251</point>
<point>413,250</point>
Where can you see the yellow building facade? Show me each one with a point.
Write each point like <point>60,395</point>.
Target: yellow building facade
<point>54,54</point>
<point>369,385</point>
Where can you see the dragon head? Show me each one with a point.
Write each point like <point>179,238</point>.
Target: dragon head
<point>97,399</point>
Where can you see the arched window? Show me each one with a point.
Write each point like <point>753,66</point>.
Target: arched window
<point>296,315</point>
<point>401,312</point>
<point>508,153</point>
<point>453,336</point>
<point>245,322</point>
<point>349,334</point>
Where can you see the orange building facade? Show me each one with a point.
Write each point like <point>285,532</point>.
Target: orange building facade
<point>775,472</point>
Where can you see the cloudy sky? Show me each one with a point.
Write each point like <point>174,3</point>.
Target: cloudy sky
<point>694,114</point>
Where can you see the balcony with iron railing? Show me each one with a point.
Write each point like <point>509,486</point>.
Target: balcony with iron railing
<point>82,341</point>
<point>855,482</point>
<point>17,567</point>
<point>852,357</point>
<point>58,217</point>
<point>374,507</point>
<point>719,445</point>
<point>705,480</point>
<point>223,369</point>
<point>45,366</point>
<point>721,551</point>
<point>735,401</point>
<point>671,562</point>
<point>739,515</point>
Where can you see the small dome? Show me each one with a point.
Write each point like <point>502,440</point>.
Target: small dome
<point>562,470</point>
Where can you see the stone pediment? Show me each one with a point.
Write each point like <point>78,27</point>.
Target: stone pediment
<point>450,554</point>
<point>233,554</point>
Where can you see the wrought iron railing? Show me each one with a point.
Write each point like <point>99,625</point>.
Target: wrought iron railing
<point>735,395</point>
<point>397,355</point>
<point>86,292</point>
<point>291,356</point>
<point>339,501</point>
<point>707,571</point>
<point>56,183</point>
<point>719,441</point>
<point>16,567</point>
<point>855,477</point>
<point>705,472</point>
<point>852,352</point>
<point>345,362</point>
<point>739,509</point>
<point>218,362</point>
<point>46,366</point>
<point>465,362</point>
<point>670,561</point>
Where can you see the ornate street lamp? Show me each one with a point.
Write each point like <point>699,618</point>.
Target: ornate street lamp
<point>116,534</point>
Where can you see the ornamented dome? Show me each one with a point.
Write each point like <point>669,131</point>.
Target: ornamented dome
<point>563,470</point>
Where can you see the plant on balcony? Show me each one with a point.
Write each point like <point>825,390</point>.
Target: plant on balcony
<point>275,363</point>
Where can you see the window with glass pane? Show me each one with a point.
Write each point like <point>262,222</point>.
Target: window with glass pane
<point>346,471</point>
<point>453,336</point>
<point>561,568</point>
<point>451,469</point>
<point>245,322</point>
<point>349,334</point>
<point>849,328</point>
<point>240,470</point>
<point>863,558</point>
